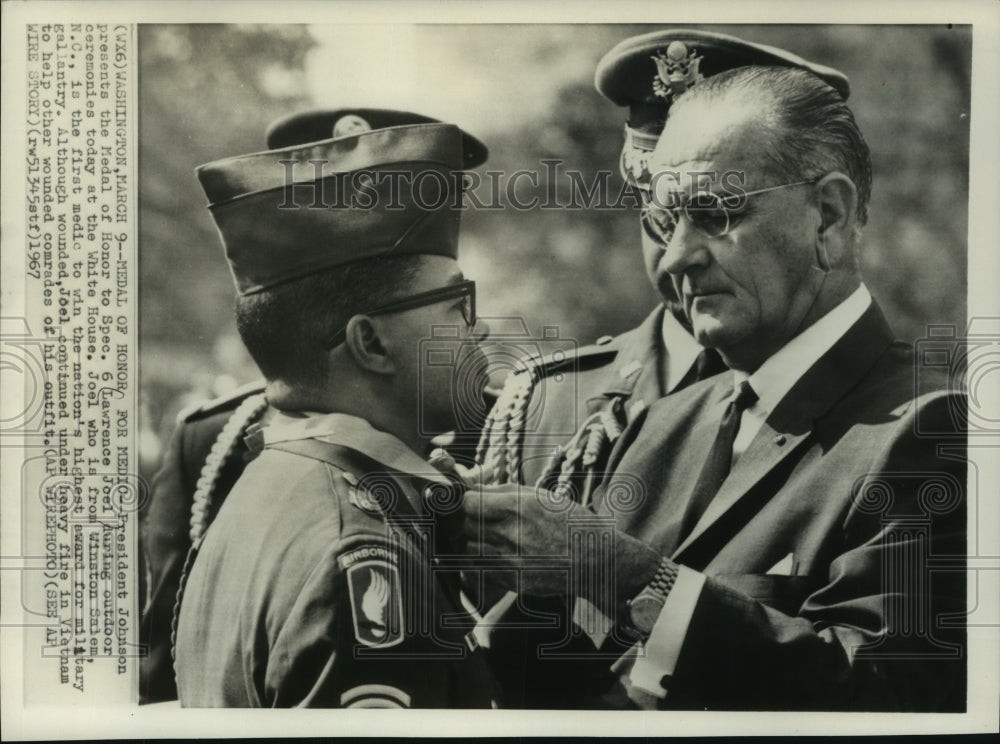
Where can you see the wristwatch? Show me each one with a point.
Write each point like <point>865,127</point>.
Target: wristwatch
<point>645,607</point>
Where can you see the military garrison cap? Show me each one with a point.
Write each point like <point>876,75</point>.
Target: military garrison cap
<point>320,124</point>
<point>356,193</point>
<point>645,73</point>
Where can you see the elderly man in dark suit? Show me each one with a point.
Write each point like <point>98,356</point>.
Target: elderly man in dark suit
<point>792,539</point>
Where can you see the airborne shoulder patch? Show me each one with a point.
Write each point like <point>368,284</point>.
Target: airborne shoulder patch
<point>376,596</point>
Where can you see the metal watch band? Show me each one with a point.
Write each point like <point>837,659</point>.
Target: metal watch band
<point>645,607</point>
<point>664,579</point>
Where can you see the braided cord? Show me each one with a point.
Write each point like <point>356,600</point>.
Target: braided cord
<point>222,449</point>
<point>499,450</point>
<point>568,455</point>
<point>596,437</point>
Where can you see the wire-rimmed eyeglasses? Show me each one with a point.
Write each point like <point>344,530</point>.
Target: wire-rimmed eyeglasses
<point>710,213</point>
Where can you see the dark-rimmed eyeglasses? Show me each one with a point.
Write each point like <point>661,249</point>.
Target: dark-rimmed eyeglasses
<point>710,213</point>
<point>466,291</point>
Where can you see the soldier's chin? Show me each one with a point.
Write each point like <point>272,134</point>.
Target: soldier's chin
<point>468,407</point>
<point>470,412</point>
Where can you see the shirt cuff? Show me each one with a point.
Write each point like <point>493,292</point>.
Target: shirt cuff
<point>658,656</point>
<point>592,621</point>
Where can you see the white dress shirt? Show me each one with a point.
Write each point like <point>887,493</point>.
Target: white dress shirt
<point>776,376</point>
<point>772,381</point>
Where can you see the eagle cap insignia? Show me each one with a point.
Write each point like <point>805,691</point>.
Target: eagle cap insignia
<point>376,603</point>
<point>676,70</point>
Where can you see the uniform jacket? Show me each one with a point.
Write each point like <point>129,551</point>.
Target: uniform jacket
<point>545,418</point>
<point>315,586</point>
<point>165,525</point>
<point>166,521</point>
<point>623,374</point>
<point>833,551</point>
<point>626,368</point>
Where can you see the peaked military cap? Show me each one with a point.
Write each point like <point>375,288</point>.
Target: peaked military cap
<point>355,193</point>
<point>646,72</point>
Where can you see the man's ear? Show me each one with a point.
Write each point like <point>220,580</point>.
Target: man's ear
<point>368,347</point>
<point>838,203</point>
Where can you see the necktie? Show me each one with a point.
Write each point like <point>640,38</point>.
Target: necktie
<point>719,460</point>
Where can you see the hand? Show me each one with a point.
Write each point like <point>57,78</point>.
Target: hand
<point>447,465</point>
<point>523,527</point>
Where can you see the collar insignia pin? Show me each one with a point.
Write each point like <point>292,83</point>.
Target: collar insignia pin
<point>360,497</point>
<point>364,501</point>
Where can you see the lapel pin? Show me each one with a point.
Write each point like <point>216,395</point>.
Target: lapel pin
<point>779,439</point>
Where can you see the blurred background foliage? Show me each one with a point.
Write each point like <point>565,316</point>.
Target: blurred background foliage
<point>209,91</point>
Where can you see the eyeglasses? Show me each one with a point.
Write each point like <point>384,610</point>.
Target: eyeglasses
<point>710,213</point>
<point>466,291</point>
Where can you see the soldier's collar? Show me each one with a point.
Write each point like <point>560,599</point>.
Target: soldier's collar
<point>354,433</point>
<point>638,354</point>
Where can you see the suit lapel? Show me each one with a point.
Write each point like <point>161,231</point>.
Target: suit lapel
<point>792,420</point>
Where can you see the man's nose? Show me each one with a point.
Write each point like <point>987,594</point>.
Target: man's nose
<point>686,248</point>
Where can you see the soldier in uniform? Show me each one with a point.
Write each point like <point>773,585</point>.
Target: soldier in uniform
<point>317,582</point>
<point>207,453</point>
<point>555,422</point>
<point>202,462</point>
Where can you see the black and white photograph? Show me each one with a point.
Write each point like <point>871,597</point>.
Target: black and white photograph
<point>636,374</point>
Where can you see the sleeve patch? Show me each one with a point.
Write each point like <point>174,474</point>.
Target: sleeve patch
<point>376,602</point>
